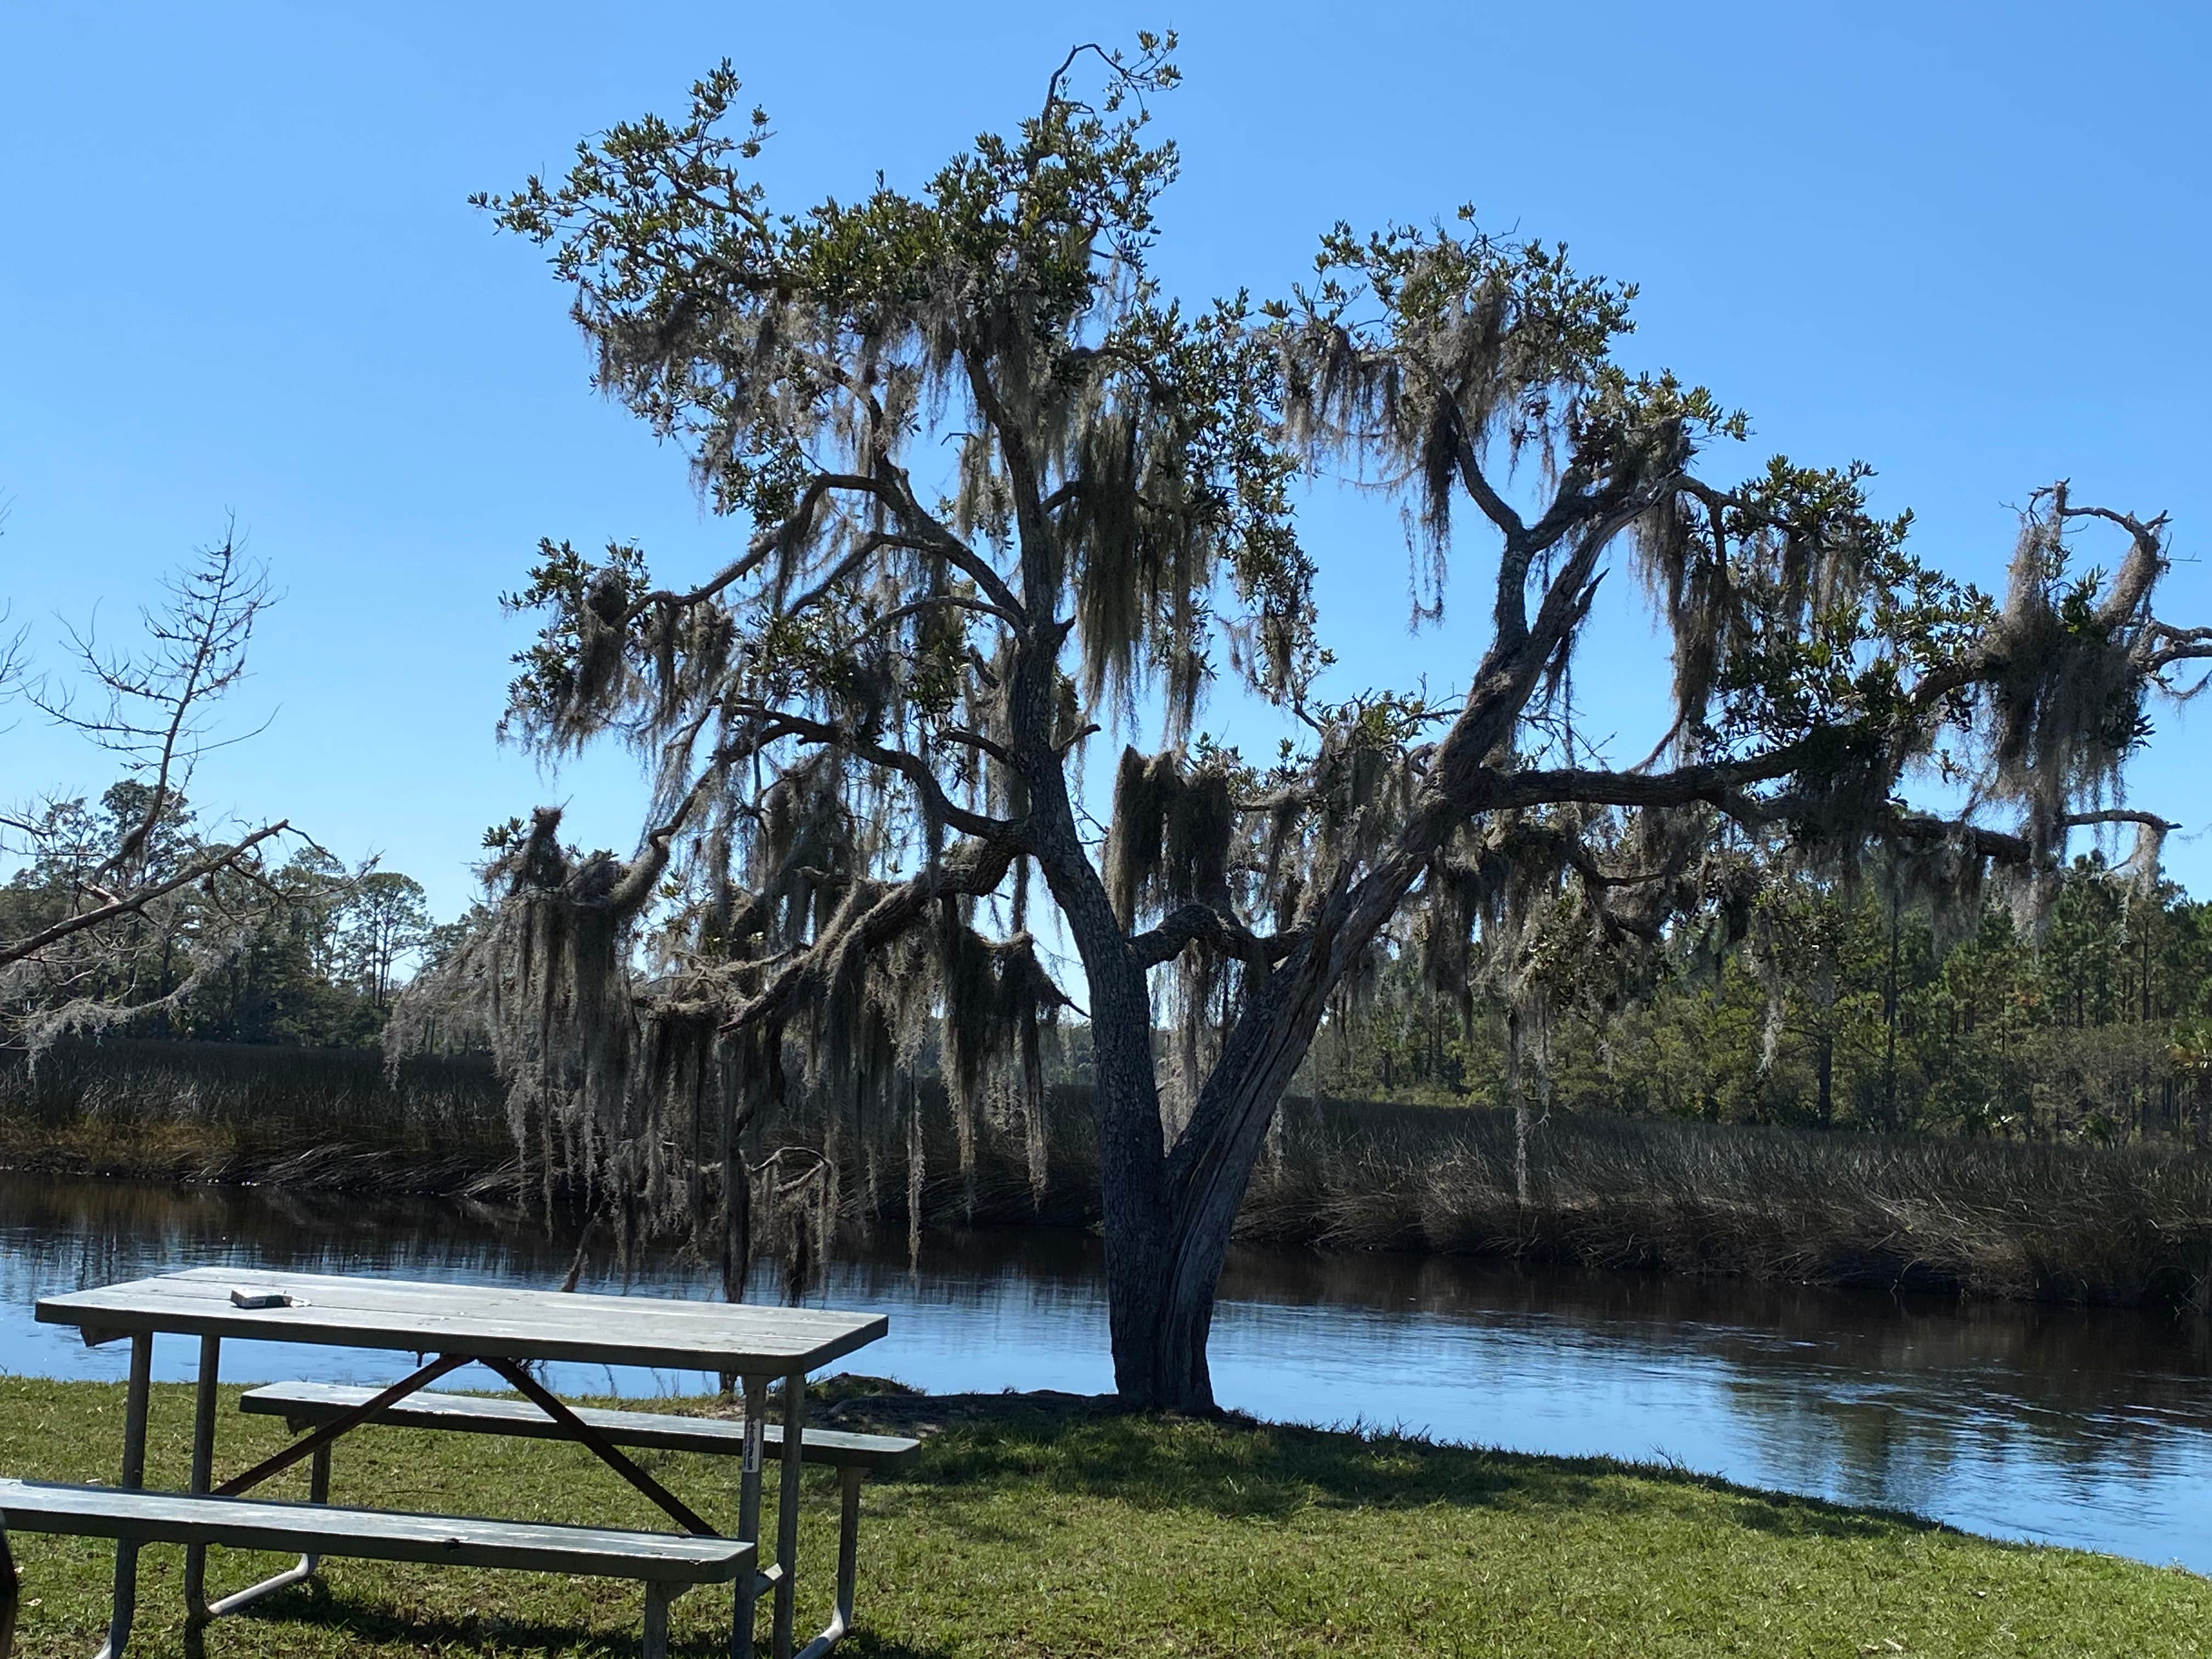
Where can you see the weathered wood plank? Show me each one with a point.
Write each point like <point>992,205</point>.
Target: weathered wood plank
<point>324,1402</point>
<point>492,1320</point>
<point>376,1534</point>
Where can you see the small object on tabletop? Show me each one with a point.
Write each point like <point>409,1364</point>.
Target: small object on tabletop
<point>245,1296</point>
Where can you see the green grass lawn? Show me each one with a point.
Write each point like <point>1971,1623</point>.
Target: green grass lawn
<point>1024,1530</point>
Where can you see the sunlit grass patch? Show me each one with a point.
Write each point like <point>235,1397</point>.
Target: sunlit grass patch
<point>1055,1527</point>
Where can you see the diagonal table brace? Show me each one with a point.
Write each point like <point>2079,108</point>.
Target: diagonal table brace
<point>608,1453</point>
<point>198,1611</point>
<point>316,1445</point>
<point>330,1431</point>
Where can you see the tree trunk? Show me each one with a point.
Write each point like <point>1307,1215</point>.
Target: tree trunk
<point>1889,1020</point>
<point>1164,1254</point>
<point>1519,1096</point>
<point>1134,1216</point>
<point>1825,1070</point>
<point>1162,1267</point>
<point>1168,1214</point>
<point>1136,1213</point>
<point>1162,1319</point>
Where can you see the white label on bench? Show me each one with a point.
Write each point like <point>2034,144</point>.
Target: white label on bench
<point>752,1445</point>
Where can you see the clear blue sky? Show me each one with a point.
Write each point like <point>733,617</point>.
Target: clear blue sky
<point>237,275</point>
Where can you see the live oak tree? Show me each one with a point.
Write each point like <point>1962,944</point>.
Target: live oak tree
<point>1002,494</point>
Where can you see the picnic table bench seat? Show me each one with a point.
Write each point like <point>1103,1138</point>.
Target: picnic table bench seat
<point>307,1405</point>
<point>667,1564</point>
<point>304,1405</point>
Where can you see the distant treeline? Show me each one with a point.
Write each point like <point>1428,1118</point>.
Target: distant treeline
<point>1843,1011</point>
<point>2124,1225</point>
<point>320,968</point>
<point>1829,1009</point>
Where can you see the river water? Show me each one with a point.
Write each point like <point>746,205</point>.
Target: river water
<point>2065,1425</point>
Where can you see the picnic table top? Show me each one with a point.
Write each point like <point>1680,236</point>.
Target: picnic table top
<point>482,1320</point>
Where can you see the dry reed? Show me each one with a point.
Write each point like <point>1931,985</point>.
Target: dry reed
<point>2128,1225</point>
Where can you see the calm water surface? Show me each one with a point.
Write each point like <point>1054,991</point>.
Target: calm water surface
<point>2090,1428</point>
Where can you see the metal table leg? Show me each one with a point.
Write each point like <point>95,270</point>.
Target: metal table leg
<point>848,1540</point>
<point>749,1509</point>
<point>786,1508</point>
<point>134,1476</point>
<point>316,1448</point>
<point>204,1401</point>
<point>319,1492</point>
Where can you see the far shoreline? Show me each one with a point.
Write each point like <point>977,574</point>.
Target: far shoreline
<point>1639,1230</point>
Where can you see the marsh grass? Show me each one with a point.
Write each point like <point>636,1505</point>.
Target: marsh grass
<point>240,1112</point>
<point>2128,1226</point>
<point>1044,1529</point>
<point>2122,1225</point>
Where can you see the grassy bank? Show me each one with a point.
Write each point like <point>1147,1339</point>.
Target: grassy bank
<point>2122,1225</point>
<point>1040,1530</point>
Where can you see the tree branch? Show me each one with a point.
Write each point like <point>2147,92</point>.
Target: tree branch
<point>974,871</point>
<point>917,771</point>
<point>2132,581</point>
<point>783,536</point>
<point>1197,920</point>
<point>207,864</point>
<point>1493,504</point>
<point>1712,781</point>
<point>959,602</point>
<point>997,751</point>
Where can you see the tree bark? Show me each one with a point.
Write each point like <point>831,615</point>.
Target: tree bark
<point>1825,1065</point>
<point>1168,1214</point>
<point>1136,1214</point>
<point>1168,1217</point>
<point>1515,1093</point>
<point>1211,1169</point>
<point>1889,1020</point>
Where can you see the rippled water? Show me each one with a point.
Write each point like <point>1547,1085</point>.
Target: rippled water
<point>2073,1426</point>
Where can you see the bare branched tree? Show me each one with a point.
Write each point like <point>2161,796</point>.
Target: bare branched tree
<point>14,646</point>
<point>14,655</point>
<point>79,963</point>
<point>866,729</point>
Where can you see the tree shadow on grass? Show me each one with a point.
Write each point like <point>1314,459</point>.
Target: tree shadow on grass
<point>1236,1468</point>
<point>370,1621</point>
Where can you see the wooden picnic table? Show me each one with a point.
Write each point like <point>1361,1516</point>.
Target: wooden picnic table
<point>501,1328</point>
